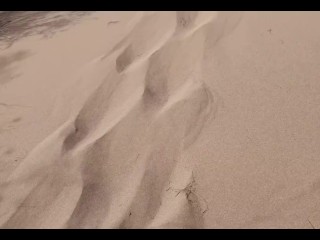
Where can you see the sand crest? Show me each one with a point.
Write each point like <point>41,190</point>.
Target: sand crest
<point>162,120</point>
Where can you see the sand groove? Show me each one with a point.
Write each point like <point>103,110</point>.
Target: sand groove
<point>118,169</point>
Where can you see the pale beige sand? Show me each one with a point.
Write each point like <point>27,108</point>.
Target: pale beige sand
<point>163,120</point>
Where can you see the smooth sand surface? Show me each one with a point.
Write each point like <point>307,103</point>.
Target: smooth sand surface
<point>162,120</point>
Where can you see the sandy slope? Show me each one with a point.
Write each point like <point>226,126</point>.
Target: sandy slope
<point>163,120</point>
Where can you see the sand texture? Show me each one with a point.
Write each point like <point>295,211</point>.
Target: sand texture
<point>160,120</point>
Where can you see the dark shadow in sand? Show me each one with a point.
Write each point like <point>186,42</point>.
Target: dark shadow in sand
<point>15,25</point>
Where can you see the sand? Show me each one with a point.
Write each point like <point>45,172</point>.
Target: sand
<point>161,120</point>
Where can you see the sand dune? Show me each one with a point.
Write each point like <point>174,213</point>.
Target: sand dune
<point>163,120</point>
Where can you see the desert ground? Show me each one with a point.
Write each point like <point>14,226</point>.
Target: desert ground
<point>159,120</point>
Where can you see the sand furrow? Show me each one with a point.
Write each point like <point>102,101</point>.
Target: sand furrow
<point>120,150</point>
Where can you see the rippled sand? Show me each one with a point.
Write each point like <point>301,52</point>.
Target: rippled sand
<point>162,120</point>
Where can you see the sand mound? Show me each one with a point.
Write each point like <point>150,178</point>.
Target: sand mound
<point>130,122</point>
<point>108,167</point>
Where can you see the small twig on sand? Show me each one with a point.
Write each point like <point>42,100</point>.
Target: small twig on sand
<point>112,22</point>
<point>188,190</point>
<point>311,224</point>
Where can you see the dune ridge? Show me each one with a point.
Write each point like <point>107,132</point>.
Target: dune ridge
<point>160,120</point>
<point>97,166</point>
